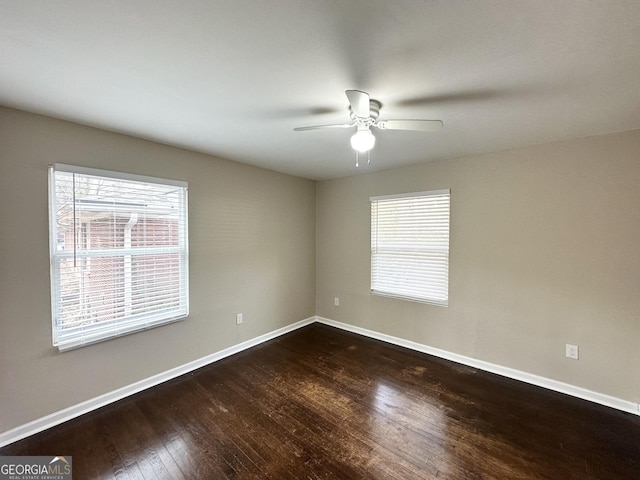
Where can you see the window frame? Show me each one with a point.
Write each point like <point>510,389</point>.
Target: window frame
<point>81,336</point>
<point>382,286</point>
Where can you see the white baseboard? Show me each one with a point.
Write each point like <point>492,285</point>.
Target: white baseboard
<point>547,383</point>
<point>74,411</point>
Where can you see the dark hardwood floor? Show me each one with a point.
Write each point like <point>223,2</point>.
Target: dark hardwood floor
<point>321,403</point>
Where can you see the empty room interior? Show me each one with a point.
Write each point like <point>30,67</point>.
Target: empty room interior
<point>321,239</point>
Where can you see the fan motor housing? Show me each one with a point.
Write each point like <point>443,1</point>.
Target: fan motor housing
<point>374,110</point>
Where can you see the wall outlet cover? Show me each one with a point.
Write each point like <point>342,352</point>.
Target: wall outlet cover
<point>571,351</point>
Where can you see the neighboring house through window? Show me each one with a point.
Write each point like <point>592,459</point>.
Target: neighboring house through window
<point>410,246</point>
<point>119,254</point>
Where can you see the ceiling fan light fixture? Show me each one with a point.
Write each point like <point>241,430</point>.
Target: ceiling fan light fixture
<point>363,140</point>
<point>364,112</point>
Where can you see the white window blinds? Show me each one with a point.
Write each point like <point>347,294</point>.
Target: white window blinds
<point>410,246</point>
<point>119,254</point>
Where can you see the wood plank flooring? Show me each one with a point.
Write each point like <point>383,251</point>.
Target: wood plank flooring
<point>320,403</point>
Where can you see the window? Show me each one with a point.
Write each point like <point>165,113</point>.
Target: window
<point>119,254</point>
<point>410,246</point>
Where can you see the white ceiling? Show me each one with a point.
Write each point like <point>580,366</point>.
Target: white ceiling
<point>233,78</point>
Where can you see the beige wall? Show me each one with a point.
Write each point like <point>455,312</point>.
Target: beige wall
<point>545,250</point>
<point>252,250</point>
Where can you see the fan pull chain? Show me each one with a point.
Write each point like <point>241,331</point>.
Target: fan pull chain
<point>358,158</point>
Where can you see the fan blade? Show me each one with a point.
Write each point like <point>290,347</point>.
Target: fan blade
<point>359,103</point>
<point>417,125</point>
<point>319,127</point>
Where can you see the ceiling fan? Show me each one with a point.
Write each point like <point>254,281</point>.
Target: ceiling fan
<point>364,112</point>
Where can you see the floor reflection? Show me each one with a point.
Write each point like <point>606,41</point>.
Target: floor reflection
<point>408,423</point>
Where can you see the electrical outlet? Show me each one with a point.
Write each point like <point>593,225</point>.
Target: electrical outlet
<point>336,301</point>
<point>571,351</point>
<point>239,318</point>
